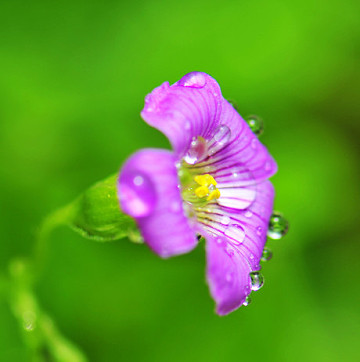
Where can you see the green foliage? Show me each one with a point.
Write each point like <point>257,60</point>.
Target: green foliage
<point>73,79</point>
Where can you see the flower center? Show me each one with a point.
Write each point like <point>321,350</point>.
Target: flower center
<point>207,187</point>
<point>197,189</point>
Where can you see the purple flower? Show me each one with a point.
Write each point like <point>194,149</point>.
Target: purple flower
<point>213,183</point>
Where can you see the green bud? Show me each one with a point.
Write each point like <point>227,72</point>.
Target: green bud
<point>96,213</point>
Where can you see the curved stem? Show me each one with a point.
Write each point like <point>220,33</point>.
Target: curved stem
<point>57,218</point>
<point>39,331</point>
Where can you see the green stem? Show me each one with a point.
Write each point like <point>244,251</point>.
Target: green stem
<point>40,333</point>
<point>57,218</point>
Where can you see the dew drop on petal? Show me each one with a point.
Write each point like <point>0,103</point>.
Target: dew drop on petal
<point>193,80</point>
<point>254,143</point>
<point>278,226</point>
<point>190,158</point>
<point>248,214</point>
<point>236,233</point>
<point>220,138</point>
<point>233,103</point>
<point>230,251</point>
<point>229,277</point>
<point>247,301</point>
<point>257,280</point>
<point>267,166</point>
<point>225,220</point>
<point>197,149</point>
<point>187,125</point>
<point>259,230</point>
<point>222,134</point>
<point>137,194</point>
<point>256,124</point>
<point>266,255</point>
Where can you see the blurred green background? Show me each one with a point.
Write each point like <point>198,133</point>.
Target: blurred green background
<point>72,83</point>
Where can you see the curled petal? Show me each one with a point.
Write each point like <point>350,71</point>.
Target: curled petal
<point>187,109</point>
<point>236,241</point>
<point>148,191</point>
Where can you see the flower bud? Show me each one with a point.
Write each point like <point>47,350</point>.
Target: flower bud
<point>96,213</point>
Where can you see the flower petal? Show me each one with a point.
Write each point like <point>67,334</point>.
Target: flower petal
<point>187,109</point>
<point>235,242</point>
<point>243,157</point>
<point>148,191</point>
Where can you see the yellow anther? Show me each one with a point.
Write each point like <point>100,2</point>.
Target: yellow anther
<point>207,187</point>
<point>201,191</point>
<point>215,194</point>
<point>205,180</point>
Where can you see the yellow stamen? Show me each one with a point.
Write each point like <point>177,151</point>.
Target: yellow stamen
<point>207,187</point>
<point>201,191</point>
<point>213,195</point>
<point>205,180</point>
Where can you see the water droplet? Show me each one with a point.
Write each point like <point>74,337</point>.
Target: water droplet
<point>254,143</point>
<point>219,241</point>
<point>229,277</point>
<point>225,220</point>
<point>187,125</point>
<point>137,194</point>
<point>193,80</point>
<point>259,230</point>
<point>221,137</point>
<point>256,124</point>
<point>247,301</point>
<point>230,251</point>
<point>135,236</point>
<point>233,103</point>
<point>267,254</point>
<point>278,226</point>
<point>267,166</point>
<point>248,214</point>
<point>222,134</point>
<point>138,180</point>
<point>29,319</point>
<point>197,149</point>
<point>257,280</point>
<point>236,233</point>
<point>190,158</point>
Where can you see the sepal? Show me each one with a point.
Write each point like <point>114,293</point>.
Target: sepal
<point>96,214</point>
